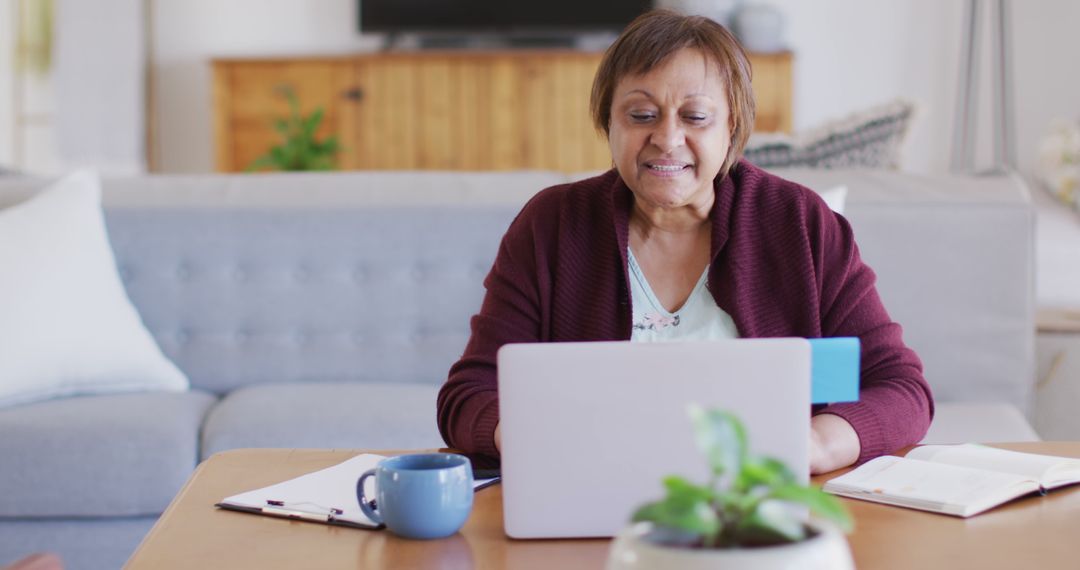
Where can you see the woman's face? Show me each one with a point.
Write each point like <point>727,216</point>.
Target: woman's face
<point>669,132</point>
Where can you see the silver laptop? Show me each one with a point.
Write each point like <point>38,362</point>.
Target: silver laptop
<point>589,429</point>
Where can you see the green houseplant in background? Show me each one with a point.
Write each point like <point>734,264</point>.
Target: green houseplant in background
<point>300,148</point>
<point>751,513</point>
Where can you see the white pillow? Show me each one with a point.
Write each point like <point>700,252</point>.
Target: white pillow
<point>66,324</point>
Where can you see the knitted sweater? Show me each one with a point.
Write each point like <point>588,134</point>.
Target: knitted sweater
<point>783,264</point>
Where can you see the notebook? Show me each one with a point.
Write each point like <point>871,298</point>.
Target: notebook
<point>590,429</point>
<point>326,496</point>
<point>959,480</point>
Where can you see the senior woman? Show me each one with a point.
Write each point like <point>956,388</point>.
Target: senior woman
<point>683,240</point>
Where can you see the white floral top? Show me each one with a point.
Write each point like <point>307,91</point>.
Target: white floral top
<point>698,319</point>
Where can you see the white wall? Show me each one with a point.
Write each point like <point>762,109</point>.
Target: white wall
<point>1047,74</point>
<point>853,54</point>
<point>28,105</point>
<point>7,75</point>
<point>850,54</point>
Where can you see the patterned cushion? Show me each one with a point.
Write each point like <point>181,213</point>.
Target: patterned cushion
<point>868,139</point>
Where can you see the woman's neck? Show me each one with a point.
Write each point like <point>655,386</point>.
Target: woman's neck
<point>665,225</point>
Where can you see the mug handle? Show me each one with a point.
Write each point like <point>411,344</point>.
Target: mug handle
<point>369,512</point>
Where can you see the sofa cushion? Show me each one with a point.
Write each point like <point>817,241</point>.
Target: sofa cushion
<point>349,415</point>
<point>871,138</point>
<point>83,544</point>
<point>115,455</point>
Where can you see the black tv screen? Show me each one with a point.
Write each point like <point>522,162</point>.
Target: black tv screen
<point>504,16</point>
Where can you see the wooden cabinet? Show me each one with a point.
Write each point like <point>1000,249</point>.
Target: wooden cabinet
<point>248,97</point>
<point>442,110</point>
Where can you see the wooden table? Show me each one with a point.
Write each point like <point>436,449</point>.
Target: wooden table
<point>1034,532</point>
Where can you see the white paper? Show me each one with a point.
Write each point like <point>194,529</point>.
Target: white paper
<point>333,487</point>
<point>320,491</point>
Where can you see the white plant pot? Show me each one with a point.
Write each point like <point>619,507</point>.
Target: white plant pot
<point>632,549</point>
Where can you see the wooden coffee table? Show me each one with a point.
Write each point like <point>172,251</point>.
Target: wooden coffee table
<point>1034,532</point>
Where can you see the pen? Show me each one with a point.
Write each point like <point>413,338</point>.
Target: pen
<point>283,504</point>
<point>288,513</point>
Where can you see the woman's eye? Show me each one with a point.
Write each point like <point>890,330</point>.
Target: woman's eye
<point>695,118</point>
<point>641,117</point>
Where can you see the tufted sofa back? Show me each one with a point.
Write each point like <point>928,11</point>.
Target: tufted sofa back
<point>311,277</point>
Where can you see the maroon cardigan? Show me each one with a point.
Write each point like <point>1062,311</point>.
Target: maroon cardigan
<point>782,265</point>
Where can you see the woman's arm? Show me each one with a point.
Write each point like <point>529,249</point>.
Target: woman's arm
<point>833,443</point>
<point>895,403</point>
<point>468,404</point>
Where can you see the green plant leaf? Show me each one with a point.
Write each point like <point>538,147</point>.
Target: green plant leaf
<point>294,102</point>
<point>280,155</point>
<point>721,437</point>
<point>746,503</point>
<point>686,507</point>
<point>696,517</point>
<point>678,487</point>
<point>769,523</point>
<point>282,127</point>
<point>819,502</point>
<point>264,161</point>
<point>329,146</point>
<point>311,123</point>
<point>763,471</point>
<point>321,163</point>
<point>299,149</point>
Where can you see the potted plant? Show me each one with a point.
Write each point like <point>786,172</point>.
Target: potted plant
<point>751,514</point>
<point>299,149</point>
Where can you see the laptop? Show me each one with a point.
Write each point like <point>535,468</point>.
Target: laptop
<point>589,429</point>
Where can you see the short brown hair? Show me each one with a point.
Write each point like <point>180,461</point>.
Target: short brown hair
<point>655,36</point>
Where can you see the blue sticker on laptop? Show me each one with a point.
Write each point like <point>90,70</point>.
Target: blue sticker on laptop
<point>834,370</point>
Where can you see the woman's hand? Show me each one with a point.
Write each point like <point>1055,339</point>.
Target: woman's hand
<point>833,443</point>
<point>498,436</point>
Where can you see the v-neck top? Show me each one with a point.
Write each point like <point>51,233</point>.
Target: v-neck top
<point>699,318</point>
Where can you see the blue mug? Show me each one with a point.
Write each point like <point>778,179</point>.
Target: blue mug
<point>426,495</point>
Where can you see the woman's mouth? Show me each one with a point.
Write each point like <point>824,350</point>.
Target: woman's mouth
<point>666,168</point>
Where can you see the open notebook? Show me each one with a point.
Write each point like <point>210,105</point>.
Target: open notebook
<point>326,496</point>
<point>959,480</point>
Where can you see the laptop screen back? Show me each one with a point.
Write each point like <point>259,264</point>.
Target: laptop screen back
<point>590,429</point>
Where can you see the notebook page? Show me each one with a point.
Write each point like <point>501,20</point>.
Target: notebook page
<point>984,457</point>
<point>926,485</point>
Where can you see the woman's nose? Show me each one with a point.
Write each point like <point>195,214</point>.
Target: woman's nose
<point>668,134</point>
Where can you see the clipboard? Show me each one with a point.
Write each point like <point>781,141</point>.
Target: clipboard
<point>327,496</point>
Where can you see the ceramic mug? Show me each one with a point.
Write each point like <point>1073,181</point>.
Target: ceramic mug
<point>426,495</point>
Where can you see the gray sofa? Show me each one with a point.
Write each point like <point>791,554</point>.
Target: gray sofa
<point>324,311</point>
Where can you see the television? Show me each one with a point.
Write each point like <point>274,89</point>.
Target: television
<point>498,17</point>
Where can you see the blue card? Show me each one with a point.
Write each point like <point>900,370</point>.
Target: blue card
<point>834,370</point>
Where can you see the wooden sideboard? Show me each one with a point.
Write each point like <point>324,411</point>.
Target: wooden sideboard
<point>497,110</point>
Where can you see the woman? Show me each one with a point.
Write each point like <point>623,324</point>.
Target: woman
<point>683,240</point>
